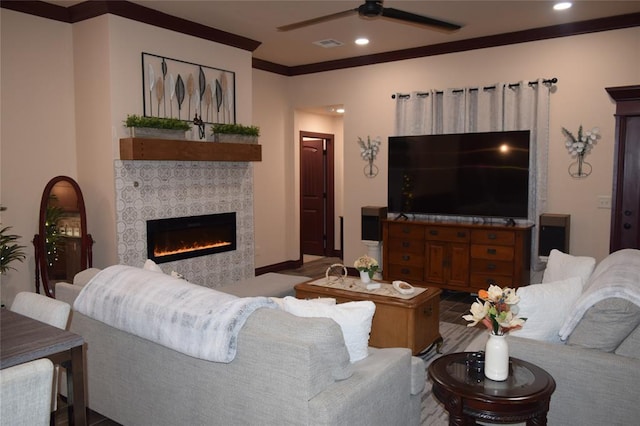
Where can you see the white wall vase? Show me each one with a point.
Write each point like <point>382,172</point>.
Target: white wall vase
<point>364,277</point>
<point>496,358</point>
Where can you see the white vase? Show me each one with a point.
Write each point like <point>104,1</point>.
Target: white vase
<point>496,358</point>
<point>364,277</point>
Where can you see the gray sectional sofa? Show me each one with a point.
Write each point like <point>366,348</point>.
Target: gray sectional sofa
<point>597,368</point>
<point>287,371</point>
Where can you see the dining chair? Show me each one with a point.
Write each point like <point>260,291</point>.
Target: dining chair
<point>42,308</point>
<point>50,311</point>
<point>25,394</point>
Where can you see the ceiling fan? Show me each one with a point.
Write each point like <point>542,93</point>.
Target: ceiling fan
<point>375,9</point>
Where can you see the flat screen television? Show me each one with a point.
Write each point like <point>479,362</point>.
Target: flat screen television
<point>465,174</point>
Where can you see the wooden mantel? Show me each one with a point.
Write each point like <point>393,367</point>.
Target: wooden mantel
<point>183,150</point>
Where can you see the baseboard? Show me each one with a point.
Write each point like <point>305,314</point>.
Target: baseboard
<point>277,267</point>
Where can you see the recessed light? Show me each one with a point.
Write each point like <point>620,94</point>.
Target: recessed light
<point>340,110</point>
<point>362,41</point>
<point>562,5</point>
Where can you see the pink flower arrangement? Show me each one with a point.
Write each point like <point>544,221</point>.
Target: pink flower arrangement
<point>495,309</point>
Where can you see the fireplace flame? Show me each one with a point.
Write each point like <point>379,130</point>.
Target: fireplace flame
<point>159,251</point>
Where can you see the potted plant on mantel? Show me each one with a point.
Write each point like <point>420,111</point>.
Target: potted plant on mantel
<point>156,127</point>
<point>235,133</point>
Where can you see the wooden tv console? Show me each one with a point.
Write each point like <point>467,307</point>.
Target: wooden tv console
<point>456,256</point>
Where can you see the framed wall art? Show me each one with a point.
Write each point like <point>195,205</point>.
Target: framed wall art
<point>187,91</point>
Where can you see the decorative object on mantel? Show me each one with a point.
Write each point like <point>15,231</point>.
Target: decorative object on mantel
<point>578,147</point>
<point>197,122</point>
<point>367,266</point>
<point>369,151</point>
<point>494,309</point>
<point>157,128</point>
<point>235,133</point>
<point>211,95</point>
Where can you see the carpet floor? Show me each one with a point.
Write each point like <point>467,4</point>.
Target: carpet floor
<point>456,338</point>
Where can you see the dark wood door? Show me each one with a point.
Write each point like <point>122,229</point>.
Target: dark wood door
<point>625,213</point>
<point>312,181</point>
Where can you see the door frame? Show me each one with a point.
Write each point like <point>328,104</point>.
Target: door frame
<point>329,184</point>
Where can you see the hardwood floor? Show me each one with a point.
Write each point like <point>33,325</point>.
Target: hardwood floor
<point>452,306</point>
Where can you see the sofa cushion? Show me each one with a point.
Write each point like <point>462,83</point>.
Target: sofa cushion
<point>83,277</point>
<point>630,346</point>
<point>606,324</point>
<point>617,276</point>
<point>561,266</point>
<point>545,306</point>
<point>354,318</point>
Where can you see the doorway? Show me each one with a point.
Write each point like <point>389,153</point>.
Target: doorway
<point>317,192</point>
<point>625,213</point>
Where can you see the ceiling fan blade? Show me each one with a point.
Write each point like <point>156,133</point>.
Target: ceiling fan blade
<point>317,20</point>
<point>401,15</point>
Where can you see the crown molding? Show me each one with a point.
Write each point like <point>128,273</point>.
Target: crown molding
<point>125,9</point>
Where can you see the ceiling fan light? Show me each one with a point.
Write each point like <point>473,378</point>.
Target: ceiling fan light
<point>362,41</point>
<point>562,5</point>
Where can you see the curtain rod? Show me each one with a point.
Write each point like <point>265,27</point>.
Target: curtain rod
<point>549,81</point>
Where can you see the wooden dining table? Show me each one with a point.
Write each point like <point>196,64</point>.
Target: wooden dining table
<point>23,339</point>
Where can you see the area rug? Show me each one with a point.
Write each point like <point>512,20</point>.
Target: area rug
<point>456,339</point>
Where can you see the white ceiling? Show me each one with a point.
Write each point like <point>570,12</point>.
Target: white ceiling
<point>258,20</point>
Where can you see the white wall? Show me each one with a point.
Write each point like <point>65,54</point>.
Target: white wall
<point>37,138</point>
<point>584,65</point>
<point>275,212</point>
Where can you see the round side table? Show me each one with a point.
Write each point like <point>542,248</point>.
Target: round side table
<point>524,396</point>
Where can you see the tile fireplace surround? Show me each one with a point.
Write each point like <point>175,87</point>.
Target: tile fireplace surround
<point>166,189</point>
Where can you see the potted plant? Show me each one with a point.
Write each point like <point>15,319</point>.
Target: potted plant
<point>10,250</point>
<point>156,127</point>
<point>235,133</point>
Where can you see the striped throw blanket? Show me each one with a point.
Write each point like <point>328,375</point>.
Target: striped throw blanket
<point>195,320</point>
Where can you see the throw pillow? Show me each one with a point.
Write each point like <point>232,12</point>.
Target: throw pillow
<point>325,300</point>
<point>354,318</point>
<point>606,324</point>
<point>150,265</point>
<point>546,306</point>
<point>561,266</point>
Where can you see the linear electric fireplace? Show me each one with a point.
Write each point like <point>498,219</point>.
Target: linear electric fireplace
<point>184,237</point>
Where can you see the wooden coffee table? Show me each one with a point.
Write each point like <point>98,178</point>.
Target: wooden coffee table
<point>406,323</point>
<point>524,396</point>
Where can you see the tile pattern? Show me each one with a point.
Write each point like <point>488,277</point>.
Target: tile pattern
<point>166,189</point>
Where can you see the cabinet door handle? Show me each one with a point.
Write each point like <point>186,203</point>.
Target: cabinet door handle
<point>491,266</point>
<point>406,230</point>
<point>428,311</point>
<point>406,257</point>
<point>406,244</point>
<point>491,281</point>
<point>433,232</point>
<point>491,251</point>
<point>462,234</point>
<point>405,271</point>
<point>492,236</point>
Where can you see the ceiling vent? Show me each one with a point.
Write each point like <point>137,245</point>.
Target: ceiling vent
<point>328,43</point>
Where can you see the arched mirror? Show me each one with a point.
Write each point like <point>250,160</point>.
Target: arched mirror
<point>62,245</point>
